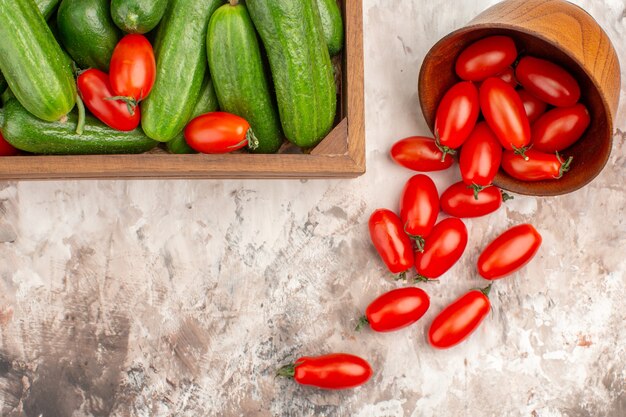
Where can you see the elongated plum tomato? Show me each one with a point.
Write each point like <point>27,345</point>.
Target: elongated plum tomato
<point>460,319</point>
<point>391,242</point>
<point>6,149</point>
<point>442,249</point>
<point>538,166</point>
<point>419,207</point>
<point>396,309</point>
<point>509,252</point>
<point>335,371</point>
<point>459,201</point>
<point>560,128</point>
<point>533,106</point>
<point>456,116</point>
<point>133,69</point>
<point>480,158</point>
<point>486,58</point>
<point>219,132</point>
<point>420,154</point>
<point>95,90</point>
<point>505,114</point>
<point>548,82</point>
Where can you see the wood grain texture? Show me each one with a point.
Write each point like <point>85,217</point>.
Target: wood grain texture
<point>563,33</point>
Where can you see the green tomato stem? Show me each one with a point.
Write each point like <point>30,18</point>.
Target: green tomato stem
<point>361,323</point>
<point>287,371</point>
<point>80,124</point>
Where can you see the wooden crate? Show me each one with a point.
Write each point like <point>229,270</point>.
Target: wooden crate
<point>340,155</point>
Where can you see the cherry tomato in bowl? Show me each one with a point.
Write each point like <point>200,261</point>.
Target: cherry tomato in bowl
<point>6,149</point>
<point>486,58</point>
<point>333,372</point>
<point>560,128</point>
<point>533,106</point>
<point>456,116</point>
<point>459,201</point>
<point>509,252</point>
<point>420,154</point>
<point>391,242</point>
<point>536,166</point>
<point>218,133</point>
<point>480,158</point>
<point>548,81</point>
<point>419,208</point>
<point>396,310</point>
<point>442,249</point>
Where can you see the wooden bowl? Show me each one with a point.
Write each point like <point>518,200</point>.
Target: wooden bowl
<point>563,33</point>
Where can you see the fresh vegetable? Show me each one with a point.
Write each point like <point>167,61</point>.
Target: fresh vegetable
<point>419,207</point>
<point>480,158</point>
<point>301,67</point>
<point>456,116</point>
<point>443,248</point>
<point>95,90</point>
<point>47,7</point>
<point>396,309</point>
<point>33,63</point>
<point>332,24</point>
<point>137,16</point>
<point>508,76</point>
<point>532,105</point>
<point>460,319</point>
<point>219,132</point>
<point>538,166</point>
<point>509,252</point>
<point>335,371</point>
<point>6,149</point>
<point>459,200</point>
<point>548,82</point>
<point>31,134</point>
<point>420,154</point>
<point>88,32</point>
<point>391,243</point>
<point>232,45</point>
<point>560,128</point>
<point>486,58</point>
<point>180,44</point>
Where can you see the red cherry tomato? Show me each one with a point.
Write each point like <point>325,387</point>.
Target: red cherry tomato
<point>6,149</point>
<point>133,68</point>
<point>456,116</point>
<point>459,320</point>
<point>537,166</point>
<point>459,201</point>
<point>419,207</point>
<point>95,90</point>
<point>443,248</point>
<point>480,158</point>
<point>219,132</point>
<point>334,371</point>
<point>509,252</point>
<point>396,309</point>
<point>548,82</point>
<point>393,245</point>
<point>486,58</point>
<point>420,154</point>
<point>533,106</point>
<point>560,128</point>
<point>504,112</point>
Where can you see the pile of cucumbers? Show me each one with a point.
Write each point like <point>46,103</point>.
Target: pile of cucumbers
<point>266,61</point>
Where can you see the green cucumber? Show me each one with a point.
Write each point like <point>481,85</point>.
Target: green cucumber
<point>301,67</point>
<point>33,63</point>
<point>241,83</point>
<point>137,16</point>
<point>332,23</point>
<point>28,133</point>
<point>47,7</point>
<point>88,32</point>
<point>180,50</point>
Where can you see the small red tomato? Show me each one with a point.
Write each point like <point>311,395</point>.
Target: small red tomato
<point>504,112</point>
<point>456,116</point>
<point>219,132</point>
<point>459,320</point>
<point>509,252</point>
<point>95,90</point>
<point>548,82</point>
<point>533,106</point>
<point>6,149</point>
<point>334,371</point>
<point>459,201</point>
<point>133,69</point>
<point>537,166</point>
<point>560,128</point>
<point>486,58</point>
<point>396,309</point>
<point>419,207</point>
<point>508,76</point>
<point>420,154</point>
<point>391,242</point>
<point>480,158</point>
<point>443,248</point>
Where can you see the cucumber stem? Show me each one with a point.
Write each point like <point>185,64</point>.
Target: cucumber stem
<point>234,2</point>
<point>80,125</point>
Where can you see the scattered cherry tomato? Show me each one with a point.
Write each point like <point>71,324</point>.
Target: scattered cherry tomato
<point>480,158</point>
<point>420,154</point>
<point>459,201</point>
<point>442,249</point>
<point>533,106</point>
<point>460,319</point>
<point>391,242</point>
<point>219,132</point>
<point>396,309</point>
<point>486,58</point>
<point>504,112</point>
<point>456,116</point>
<point>95,90</point>
<point>537,166</point>
<point>419,208</point>
<point>560,128</point>
<point>6,149</point>
<point>334,371</point>
<point>548,82</point>
<point>509,252</point>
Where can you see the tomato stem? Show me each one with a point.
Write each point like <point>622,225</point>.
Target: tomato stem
<point>420,278</point>
<point>565,166</point>
<point>80,125</point>
<point>131,103</point>
<point>363,321</point>
<point>521,151</point>
<point>478,188</point>
<point>506,197</point>
<point>418,240</point>
<point>253,141</point>
<point>287,371</point>
<point>486,290</point>
<point>401,276</point>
